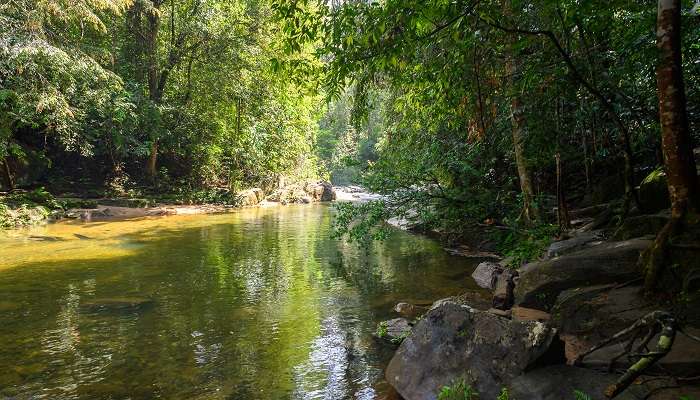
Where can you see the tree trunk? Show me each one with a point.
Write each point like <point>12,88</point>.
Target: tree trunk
<point>151,169</point>
<point>8,174</point>
<point>675,139</point>
<point>562,209</point>
<point>519,129</point>
<point>681,175</point>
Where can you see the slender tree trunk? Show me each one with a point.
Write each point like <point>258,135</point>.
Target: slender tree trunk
<point>675,138</point>
<point>519,130</point>
<point>562,209</point>
<point>151,166</point>
<point>8,174</point>
<point>155,91</point>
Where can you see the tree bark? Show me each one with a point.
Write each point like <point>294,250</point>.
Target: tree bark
<point>681,175</point>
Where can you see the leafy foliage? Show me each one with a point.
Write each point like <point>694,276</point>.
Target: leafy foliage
<point>458,391</point>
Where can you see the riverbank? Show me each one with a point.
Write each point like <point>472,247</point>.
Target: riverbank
<point>532,339</point>
<point>27,208</point>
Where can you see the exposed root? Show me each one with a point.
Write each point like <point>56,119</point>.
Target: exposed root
<point>652,323</point>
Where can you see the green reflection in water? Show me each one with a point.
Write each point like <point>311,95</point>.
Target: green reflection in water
<point>258,304</point>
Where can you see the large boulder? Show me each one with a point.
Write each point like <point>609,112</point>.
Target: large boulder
<point>541,282</point>
<point>320,191</point>
<point>305,192</point>
<point>251,197</point>
<point>454,343</point>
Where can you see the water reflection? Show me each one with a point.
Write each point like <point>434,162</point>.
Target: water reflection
<point>259,304</point>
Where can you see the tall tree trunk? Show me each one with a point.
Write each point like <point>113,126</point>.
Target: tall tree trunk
<point>519,130</point>
<point>681,175</point>
<point>675,139</point>
<point>530,210</point>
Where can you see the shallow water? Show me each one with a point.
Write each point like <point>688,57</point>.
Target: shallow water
<point>256,304</point>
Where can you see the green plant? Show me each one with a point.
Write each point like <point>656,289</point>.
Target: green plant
<point>401,337</point>
<point>382,330</point>
<point>579,395</point>
<point>504,395</point>
<point>458,391</point>
<point>525,245</point>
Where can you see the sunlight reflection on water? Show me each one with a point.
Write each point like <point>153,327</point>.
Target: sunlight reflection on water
<point>258,304</point>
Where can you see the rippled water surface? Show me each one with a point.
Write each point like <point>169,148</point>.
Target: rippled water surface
<point>256,304</point>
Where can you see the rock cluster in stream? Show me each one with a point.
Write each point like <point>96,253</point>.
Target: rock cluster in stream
<point>541,318</point>
<point>299,193</point>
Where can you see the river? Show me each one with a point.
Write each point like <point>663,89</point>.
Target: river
<point>256,304</point>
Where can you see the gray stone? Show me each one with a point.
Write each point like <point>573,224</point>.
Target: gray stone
<point>486,274</point>
<point>453,342</point>
<point>578,242</point>
<point>540,283</point>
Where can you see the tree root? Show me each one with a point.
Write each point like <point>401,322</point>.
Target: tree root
<point>653,260</point>
<point>653,323</point>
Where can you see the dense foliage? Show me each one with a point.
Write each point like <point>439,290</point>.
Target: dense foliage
<point>117,94</point>
<point>479,98</point>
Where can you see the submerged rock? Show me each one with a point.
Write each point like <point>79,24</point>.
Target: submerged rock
<point>408,310</point>
<point>540,283</point>
<point>454,342</point>
<point>117,304</point>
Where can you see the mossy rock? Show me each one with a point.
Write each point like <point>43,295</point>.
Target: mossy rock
<point>653,192</point>
<point>639,226</point>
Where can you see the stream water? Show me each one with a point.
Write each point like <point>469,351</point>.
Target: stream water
<point>256,304</point>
